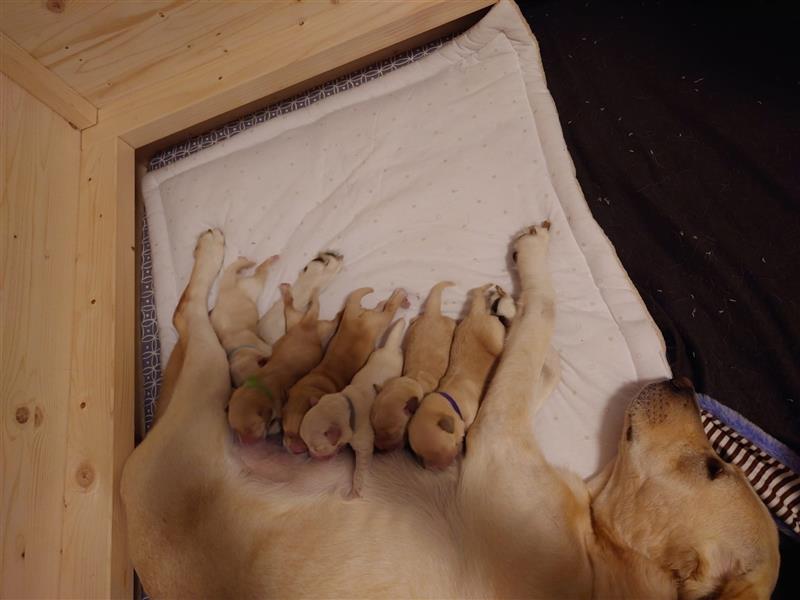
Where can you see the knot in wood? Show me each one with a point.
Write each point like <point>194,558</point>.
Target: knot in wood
<point>23,414</point>
<point>85,475</point>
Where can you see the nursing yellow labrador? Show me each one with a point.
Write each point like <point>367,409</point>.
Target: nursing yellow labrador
<point>667,519</point>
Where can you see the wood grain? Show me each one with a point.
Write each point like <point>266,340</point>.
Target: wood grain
<point>44,85</point>
<point>38,220</point>
<point>271,63</point>
<point>100,414</point>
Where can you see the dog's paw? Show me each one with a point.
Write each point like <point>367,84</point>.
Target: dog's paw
<point>531,243</point>
<point>502,305</point>
<point>210,247</point>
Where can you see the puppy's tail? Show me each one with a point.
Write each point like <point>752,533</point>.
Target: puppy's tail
<point>263,269</point>
<point>477,299</point>
<point>231,274</point>
<point>433,305</point>
<point>395,335</point>
<point>354,299</point>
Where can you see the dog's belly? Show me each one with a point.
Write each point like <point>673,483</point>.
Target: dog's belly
<point>400,539</point>
<point>267,465</point>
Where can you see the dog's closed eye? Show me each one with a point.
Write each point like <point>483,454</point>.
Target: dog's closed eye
<point>714,467</point>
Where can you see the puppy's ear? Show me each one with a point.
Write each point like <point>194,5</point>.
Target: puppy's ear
<point>447,424</point>
<point>411,406</point>
<point>333,433</point>
<point>265,412</point>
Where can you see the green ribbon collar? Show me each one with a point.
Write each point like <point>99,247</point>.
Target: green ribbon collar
<point>256,384</point>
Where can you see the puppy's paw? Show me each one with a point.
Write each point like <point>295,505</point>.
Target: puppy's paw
<point>324,267</point>
<point>316,276</point>
<point>502,305</point>
<point>210,248</point>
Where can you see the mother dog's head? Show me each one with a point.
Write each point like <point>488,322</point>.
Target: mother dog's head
<point>670,500</point>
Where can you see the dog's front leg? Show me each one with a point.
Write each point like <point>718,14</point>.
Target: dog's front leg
<point>513,503</point>
<point>526,368</point>
<point>202,383</point>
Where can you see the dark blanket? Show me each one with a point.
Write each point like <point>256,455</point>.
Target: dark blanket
<point>683,121</point>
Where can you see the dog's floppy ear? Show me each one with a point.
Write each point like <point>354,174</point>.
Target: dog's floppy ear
<point>684,564</point>
<point>755,585</point>
<point>698,577</point>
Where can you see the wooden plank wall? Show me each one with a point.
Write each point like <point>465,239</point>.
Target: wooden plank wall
<point>38,224</point>
<point>67,355</point>
<point>82,86</point>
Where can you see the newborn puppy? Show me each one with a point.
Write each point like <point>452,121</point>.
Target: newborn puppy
<point>235,317</point>
<point>316,275</point>
<point>257,403</point>
<point>343,418</point>
<point>347,352</point>
<point>426,357</point>
<point>436,431</point>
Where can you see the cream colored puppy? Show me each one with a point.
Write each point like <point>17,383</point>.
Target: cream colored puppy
<point>436,431</point>
<point>343,418</point>
<point>427,354</point>
<point>316,275</point>
<point>347,352</point>
<point>235,318</point>
<point>257,403</point>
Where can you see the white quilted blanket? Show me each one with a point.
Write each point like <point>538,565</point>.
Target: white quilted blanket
<point>422,175</point>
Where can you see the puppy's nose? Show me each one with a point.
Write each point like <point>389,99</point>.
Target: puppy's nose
<point>683,384</point>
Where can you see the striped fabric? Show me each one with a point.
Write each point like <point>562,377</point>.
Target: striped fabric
<point>775,483</point>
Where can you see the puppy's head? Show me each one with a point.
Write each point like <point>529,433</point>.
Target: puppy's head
<point>250,414</point>
<point>245,361</point>
<point>396,402</point>
<point>328,425</point>
<point>670,498</point>
<point>436,432</point>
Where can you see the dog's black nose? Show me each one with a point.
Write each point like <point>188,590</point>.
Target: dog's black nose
<point>682,384</point>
